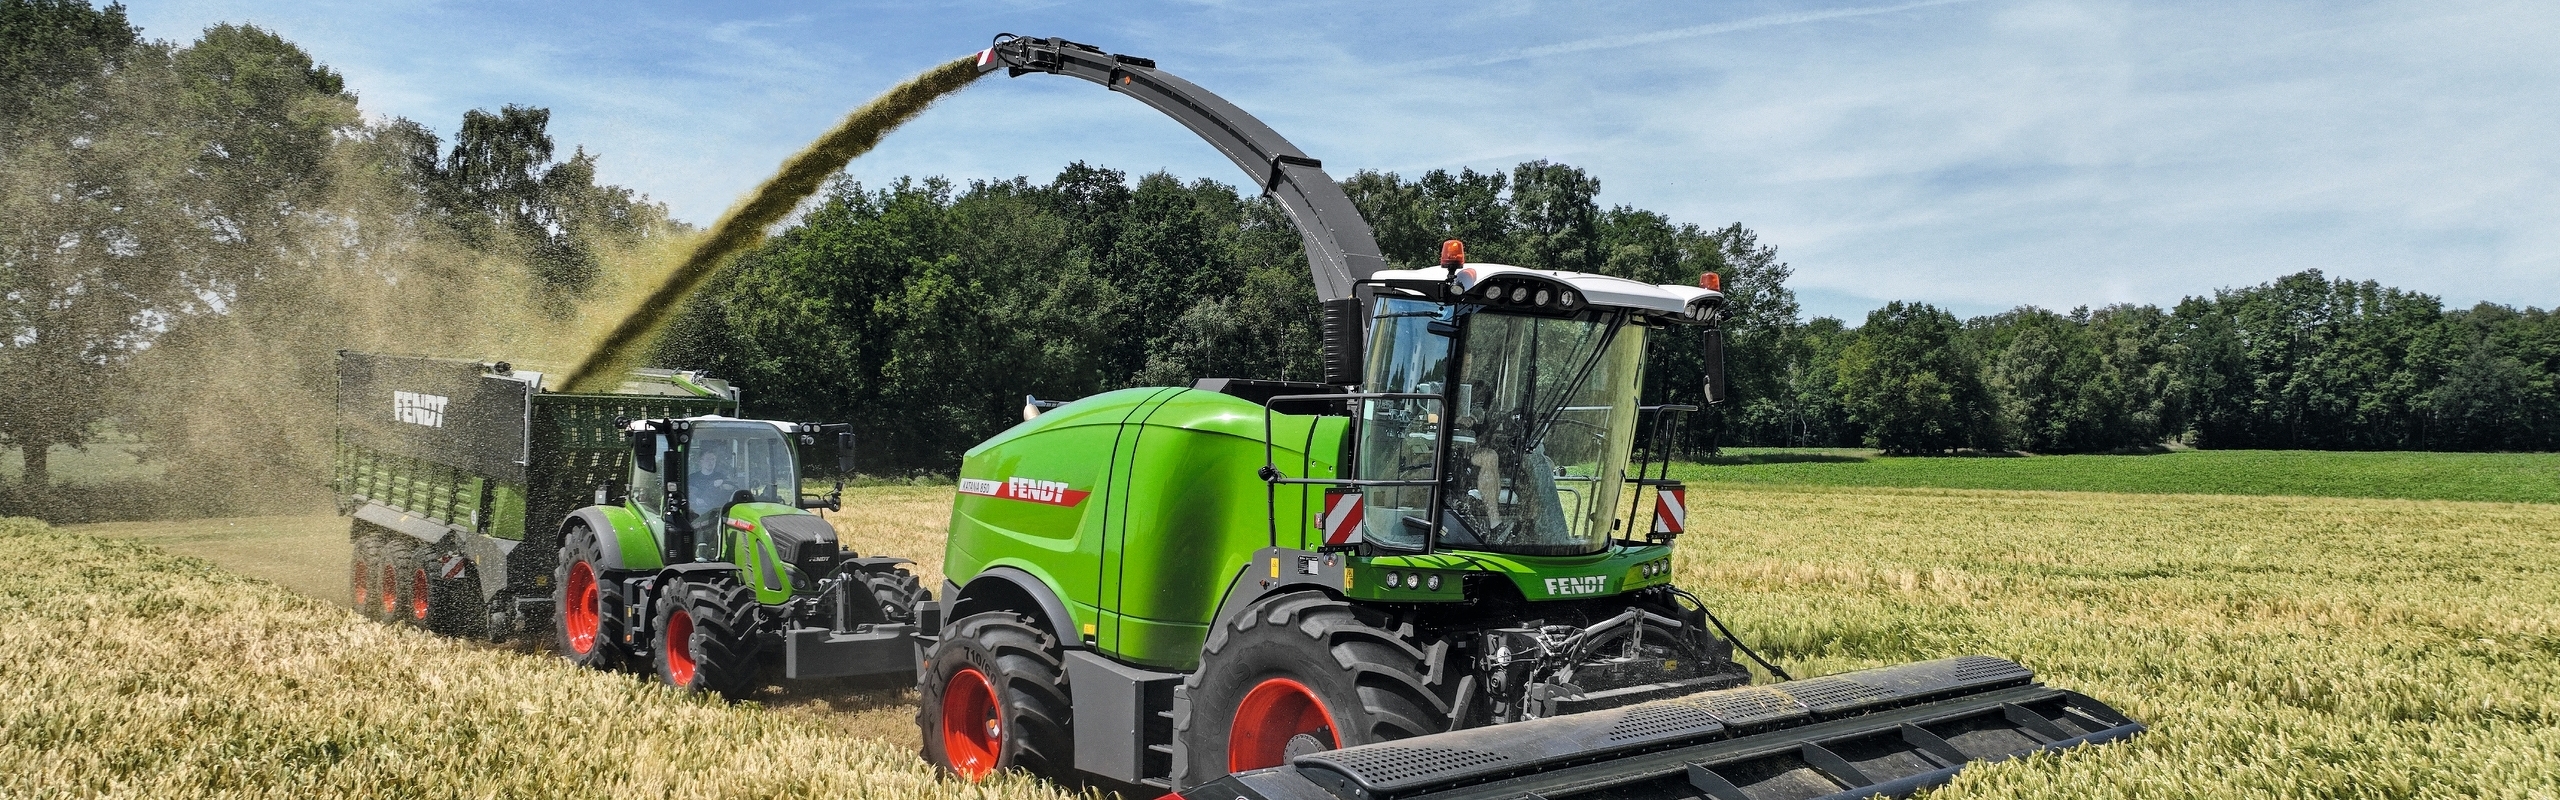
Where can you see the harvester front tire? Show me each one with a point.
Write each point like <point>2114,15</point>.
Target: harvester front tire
<point>707,636</point>
<point>995,698</point>
<point>587,606</point>
<point>1296,673</point>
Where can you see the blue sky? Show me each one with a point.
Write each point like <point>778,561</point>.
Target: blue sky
<point>1976,154</point>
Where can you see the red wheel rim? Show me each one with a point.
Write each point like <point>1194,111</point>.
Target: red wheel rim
<point>390,591</point>
<point>1275,711</point>
<point>972,728</point>
<point>357,584</point>
<point>679,649</point>
<point>578,609</point>
<point>418,596</point>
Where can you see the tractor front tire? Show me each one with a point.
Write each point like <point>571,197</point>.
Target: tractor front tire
<point>896,592</point>
<point>587,606</point>
<point>994,698</point>
<point>1293,674</point>
<point>707,635</point>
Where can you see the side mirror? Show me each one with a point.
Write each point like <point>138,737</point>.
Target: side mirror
<point>1714,351</point>
<point>644,448</point>
<point>844,452</point>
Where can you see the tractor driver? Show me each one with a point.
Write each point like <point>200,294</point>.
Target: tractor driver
<point>708,485</point>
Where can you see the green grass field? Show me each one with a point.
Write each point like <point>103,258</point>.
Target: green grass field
<point>2494,477</point>
<point>2280,647</point>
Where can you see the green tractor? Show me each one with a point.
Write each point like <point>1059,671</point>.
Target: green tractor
<point>1432,574</point>
<point>711,565</point>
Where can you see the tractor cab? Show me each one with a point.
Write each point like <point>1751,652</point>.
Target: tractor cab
<point>1500,405</point>
<point>692,477</point>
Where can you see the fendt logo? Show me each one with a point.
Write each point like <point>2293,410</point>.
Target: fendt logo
<point>1588,584</point>
<point>418,408</point>
<point>1028,490</point>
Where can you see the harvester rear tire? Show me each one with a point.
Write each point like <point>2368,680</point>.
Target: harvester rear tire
<point>996,667</point>
<point>1301,672</point>
<point>580,583</point>
<point>707,635</point>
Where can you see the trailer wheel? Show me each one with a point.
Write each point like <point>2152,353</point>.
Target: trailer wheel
<point>897,593</point>
<point>359,580</point>
<point>994,699</point>
<point>390,594</point>
<point>707,636</point>
<point>587,605</point>
<point>1293,674</point>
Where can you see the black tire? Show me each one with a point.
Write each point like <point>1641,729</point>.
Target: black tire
<point>707,635</point>
<point>602,636</point>
<point>1367,679</point>
<point>896,592</point>
<point>1021,664</point>
<point>364,579</point>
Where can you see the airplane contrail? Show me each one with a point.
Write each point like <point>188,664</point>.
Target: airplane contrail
<point>1630,40</point>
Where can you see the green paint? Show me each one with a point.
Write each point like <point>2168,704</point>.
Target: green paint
<point>1173,511</point>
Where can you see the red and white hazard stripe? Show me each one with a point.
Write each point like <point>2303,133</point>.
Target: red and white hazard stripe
<point>1670,510</point>
<point>450,567</point>
<point>984,57</point>
<point>1341,520</point>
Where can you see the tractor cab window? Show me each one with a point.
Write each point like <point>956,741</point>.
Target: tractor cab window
<point>1544,415</point>
<point>725,458</point>
<point>648,488</point>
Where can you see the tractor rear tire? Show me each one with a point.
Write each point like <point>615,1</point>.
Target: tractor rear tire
<point>1297,673</point>
<point>896,592</point>
<point>587,605</point>
<point>707,635</point>
<point>994,698</point>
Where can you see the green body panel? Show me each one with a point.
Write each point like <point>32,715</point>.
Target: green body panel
<point>1171,508</point>
<point>760,565</point>
<point>639,541</point>
<point>1141,507</point>
<point>506,503</point>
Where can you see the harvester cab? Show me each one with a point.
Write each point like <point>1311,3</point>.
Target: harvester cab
<point>711,562</point>
<point>1425,576</point>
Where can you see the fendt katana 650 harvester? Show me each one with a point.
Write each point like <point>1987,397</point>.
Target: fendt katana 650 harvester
<point>1422,577</point>
<point>646,527</point>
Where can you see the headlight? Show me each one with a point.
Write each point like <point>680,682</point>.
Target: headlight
<point>1394,578</point>
<point>1434,583</point>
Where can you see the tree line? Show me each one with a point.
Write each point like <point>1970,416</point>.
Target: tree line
<point>924,311</point>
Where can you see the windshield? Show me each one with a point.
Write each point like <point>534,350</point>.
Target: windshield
<point>1544,411</point>
<point>725,458</point>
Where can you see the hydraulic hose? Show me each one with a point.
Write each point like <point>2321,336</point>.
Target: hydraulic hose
<point>1728,635</point>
